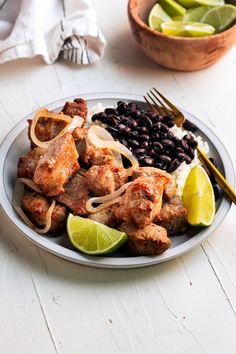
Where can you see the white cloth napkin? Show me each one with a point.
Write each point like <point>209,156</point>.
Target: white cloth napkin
<point>51,28</point>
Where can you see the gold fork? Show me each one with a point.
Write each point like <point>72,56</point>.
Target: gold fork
<point>162,105</point>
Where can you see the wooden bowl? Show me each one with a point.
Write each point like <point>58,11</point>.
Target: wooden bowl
<point>178,53</point>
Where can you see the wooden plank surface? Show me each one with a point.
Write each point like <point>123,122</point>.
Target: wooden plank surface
<point>187,305</point>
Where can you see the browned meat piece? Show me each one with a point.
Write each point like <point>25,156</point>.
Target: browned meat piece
<point>149,240</point>
<point>46,128</point>
<point>170,181</point>
<point>105,216</point>
<point>75,195</point>
<point>172,217</point>
<point>141,202</point>
<point>105,179</point>
<point>88,154</point>
<point>36,206</point>
<point>27,163</point>
<point>57,165</point>
<point>76,108</point>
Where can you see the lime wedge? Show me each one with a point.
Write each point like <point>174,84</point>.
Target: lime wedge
<point>93,238</point>
<point>194,3</point>
<point>198,197</point>
<point>157,17</point>
<point>209,2</point>
<point>221,17</point>
<point>195,15</point>
<point>187,29</point>
<point>172,8</point>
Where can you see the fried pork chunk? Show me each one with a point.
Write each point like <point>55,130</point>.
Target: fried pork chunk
<point>141,202</point>
<point>89,154</point>
<point>36,206</point>
<point>170,181</point>
<point>76,108</point>
<point>27,163</point>
<point>150,240</point>
<point>57,165</point>
<point>173,217</point>
<point>75,195</point>
<point>105,216</point>
<point>105,179</point>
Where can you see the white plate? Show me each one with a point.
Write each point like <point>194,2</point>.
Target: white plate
<point>16,144</point>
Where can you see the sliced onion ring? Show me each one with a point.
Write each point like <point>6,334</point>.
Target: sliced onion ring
<point>98,137</point>
<point>16,204</point>
<point>29,183</point>
<point>106,200</point>
<point>72,123</point>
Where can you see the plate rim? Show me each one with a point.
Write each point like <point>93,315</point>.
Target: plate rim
<point>113,262</point>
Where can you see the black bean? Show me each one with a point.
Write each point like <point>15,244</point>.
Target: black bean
<point>147,121</point>
<point>155,136</point>
<point>124,142</point>
<point>122,108</point>
<point>176,141</point>
<point>114,132</point>
<point>152,152</point>
<point>98,116</point>
<point>189,126</point>
<point>173,166</point>
<point>188,137</point>
<point>111,111</point>
<point>170,135</point>
<point>156,119</point>
<point>112,120</point>
<point>121,126</point>
<point>157,146</point>
<point>157,127</point>
<point>179,150</point>
<point>121,103</point>
<point>216,191</point>
<point>188,159</point>
<point>169,121</point>
<point>134,124</point>
<point>163,135</point>
<point>148,160</point>
<point>149,114</point>
<point>133,142</point>
<point>144,137</point>
<point>139,151</point>
<point>193,144</point>
<point>181,157</point>
<point>133,134</point>
<point>144,144</point>
<point>133,106</point>
<point>190,153</point>
<point>168,144</point>
<point>144,130</point>
<point>213,160</point>
<point>184,145</point>
<point>164,158</point>
<point>164,128</point>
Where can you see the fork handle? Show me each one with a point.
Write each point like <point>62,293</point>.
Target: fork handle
<point>218,176</point>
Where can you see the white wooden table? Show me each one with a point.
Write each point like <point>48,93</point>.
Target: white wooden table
<point>188,305</point>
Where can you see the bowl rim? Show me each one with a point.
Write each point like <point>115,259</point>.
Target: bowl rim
<point>137,19</point>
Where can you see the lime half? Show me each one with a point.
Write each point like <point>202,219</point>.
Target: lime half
<point>198,197</point>
<point>157,17</point>
<point>172,8</point>
<point>221,17</point>
<point>187,29</point>
<point>93,238</point>
<point>195,15</point>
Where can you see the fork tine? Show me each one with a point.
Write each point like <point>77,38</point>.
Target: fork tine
<point>148,103</point>
<point>173,107</point>
<point>165,109</point>
<point>158,108</point>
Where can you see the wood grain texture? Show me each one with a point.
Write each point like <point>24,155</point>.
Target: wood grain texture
<point>187,305</point>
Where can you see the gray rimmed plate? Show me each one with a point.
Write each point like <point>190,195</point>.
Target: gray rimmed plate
<point>16,144</point>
